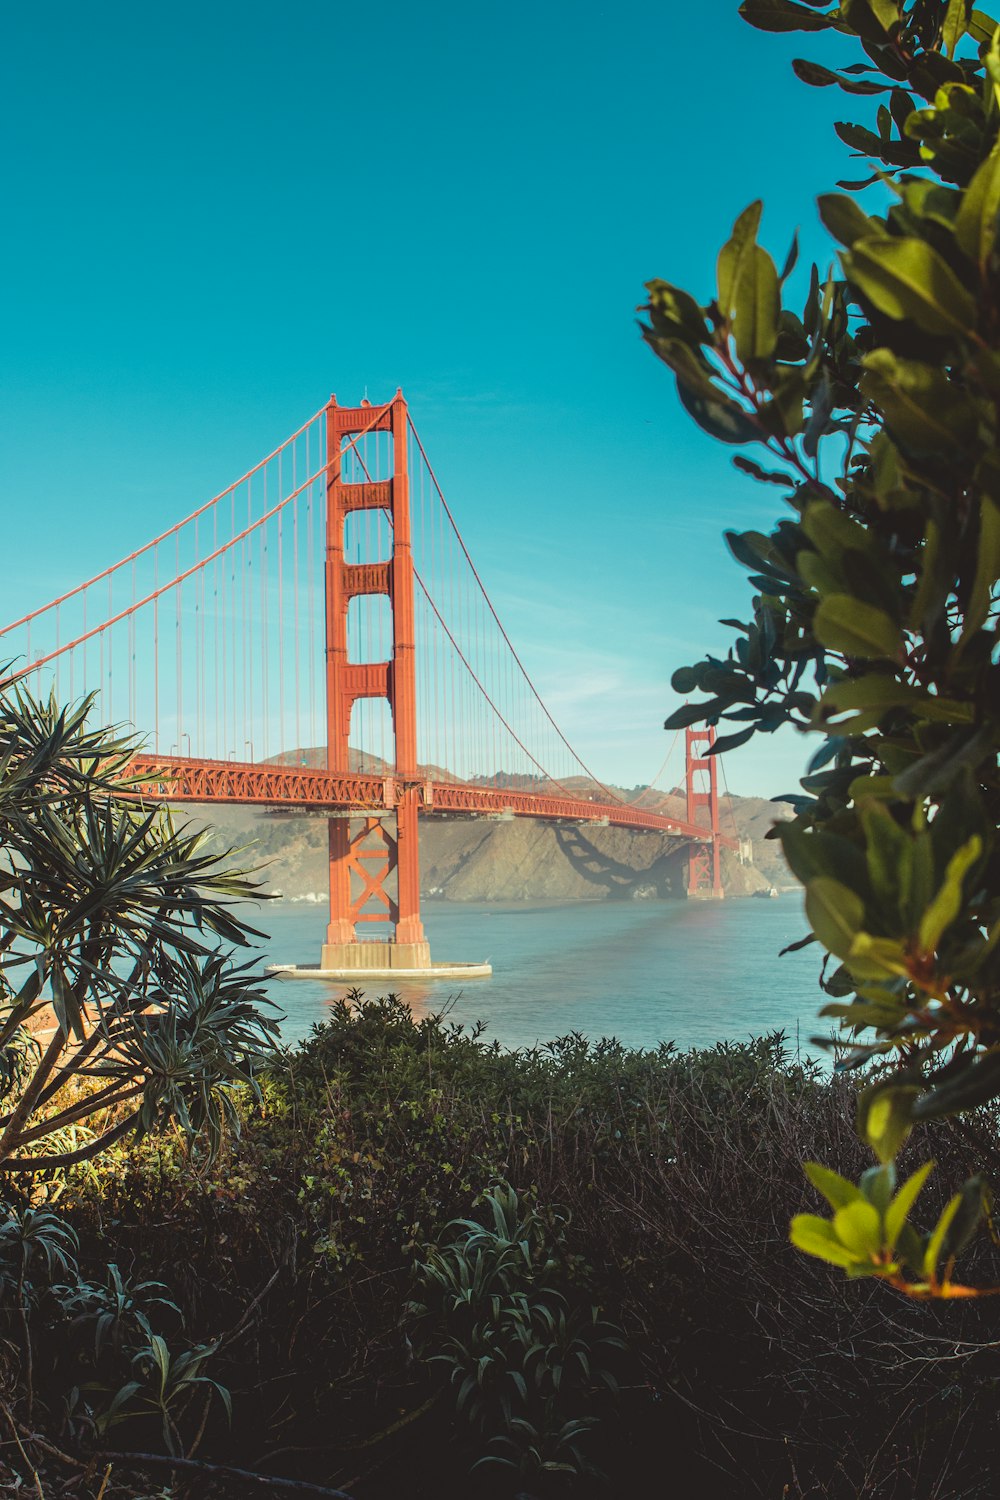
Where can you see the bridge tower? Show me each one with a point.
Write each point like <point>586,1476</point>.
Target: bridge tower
<point>366,850</point>
<point>704,873</point>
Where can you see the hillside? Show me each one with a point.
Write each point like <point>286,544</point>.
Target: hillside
<point>478,859</point>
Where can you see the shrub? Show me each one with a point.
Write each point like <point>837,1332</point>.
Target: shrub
<point>110,921</point>
<point>659,1186</point>
<point>875,623</point>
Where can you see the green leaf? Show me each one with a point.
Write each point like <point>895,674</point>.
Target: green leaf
<point>731,255</point>
<point>684,681</point>
<point>846,624</point>
<point>864,143</point>
<point>837,1190</point>
<point>935,771</point>
<point>692,713</point>
<point>977,1083</point>
<point>832,532</point>
<point>902,106</point>
<point>761,554</point>
<point>987,568</point>
<point>763,476</point>
<point>976,220</point>
<point>876,958</point>
<point>982,27</point>
<point>835,914</point>
<point>859,1227</point>
<point>782,15</point>
<point>929,597</point>
<point>954,26</point>
<point>718,416</point>
<point>880,692</point>
<point>682,355</point>
<point>871,19</point>
<point>782,416</point>
<point>976,1199</point>
<point>816,1236</point>
<point>899,1209</point>
<point>673,313</point>
<point>907,279</point>
<point>816,853</point>
<point>923,409</point>
<point>877,1186</point>
<point>727,742</point>
<point>756,305</point>
<point>813,73</point>
<point>860,1014</point>
<point>819,77</point>
<point>936,1242</point>
<point>885,1117</point>
<point>873,691</point>
<point>887,851</point>
<point>948,902</point>
<point>844,219</point>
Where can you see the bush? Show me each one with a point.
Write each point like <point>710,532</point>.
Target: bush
<point>112,926</point>
<point>322,1259</point>
<point>875,615</point>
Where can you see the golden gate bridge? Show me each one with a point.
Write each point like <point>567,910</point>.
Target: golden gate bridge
<point>318,637</point>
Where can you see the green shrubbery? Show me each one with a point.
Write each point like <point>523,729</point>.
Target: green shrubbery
<point>875,622</point>
<point>119,995</point>
<point>423,1252</point>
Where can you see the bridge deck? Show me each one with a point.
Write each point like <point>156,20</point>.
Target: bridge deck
<point>179,779</point>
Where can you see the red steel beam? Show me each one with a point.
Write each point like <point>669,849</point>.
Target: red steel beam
<point>179,779</point>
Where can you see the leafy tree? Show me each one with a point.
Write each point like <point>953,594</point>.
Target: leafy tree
<point>111,916</point>
<point>875,622</point>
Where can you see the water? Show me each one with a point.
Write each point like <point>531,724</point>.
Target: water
<point>690,972</point>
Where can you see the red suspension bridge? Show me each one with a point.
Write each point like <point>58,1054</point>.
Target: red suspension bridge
<point>318,637</point>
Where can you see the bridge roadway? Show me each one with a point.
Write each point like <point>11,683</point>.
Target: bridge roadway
<point>184,779</point>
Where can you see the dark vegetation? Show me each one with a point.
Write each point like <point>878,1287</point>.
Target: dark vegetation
<point>875,623</point>
<point>630,1269</point>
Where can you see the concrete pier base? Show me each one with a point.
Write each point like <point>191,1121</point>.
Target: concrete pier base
<point>379,960</point>
<point>453,972</point>
<point>383,958</point>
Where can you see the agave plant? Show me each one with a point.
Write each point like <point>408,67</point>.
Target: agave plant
<point>163,1382</point>
<point>113,1309</point>
<point>31,1237</point>
<point>522,1363</point>
<point>122,922</point>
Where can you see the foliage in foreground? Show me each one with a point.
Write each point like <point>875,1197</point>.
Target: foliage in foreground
<point>408,1210</point>
<point>112,926</point>
<point>875,621</point>
<point>121,1014</point>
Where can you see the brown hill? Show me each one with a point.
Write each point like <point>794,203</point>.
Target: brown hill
<point>481,859</point>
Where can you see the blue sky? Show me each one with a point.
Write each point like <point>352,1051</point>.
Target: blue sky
<point>219,214</point>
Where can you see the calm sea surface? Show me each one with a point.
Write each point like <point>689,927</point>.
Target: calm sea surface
<point>694,973</point>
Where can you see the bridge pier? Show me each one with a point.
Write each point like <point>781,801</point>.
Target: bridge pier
<point>375,957</point>
<point>704,859</point>
<point>375,870</point>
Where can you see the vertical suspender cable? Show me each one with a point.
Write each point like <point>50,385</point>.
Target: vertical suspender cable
<point>296,637</point>
<point>282,736</point>
<point>156,648</point>
<point>265,639</point>
<point>310,600</point>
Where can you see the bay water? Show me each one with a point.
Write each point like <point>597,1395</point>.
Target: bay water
<point>694,973</point>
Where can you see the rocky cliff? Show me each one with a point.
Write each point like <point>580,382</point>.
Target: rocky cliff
<point>477,859</point>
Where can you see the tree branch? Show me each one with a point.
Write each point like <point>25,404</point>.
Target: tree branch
<point>70,1158</point>
<point>104,1099</point>
<point>29,1099</point>
<point>196,1465</point>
